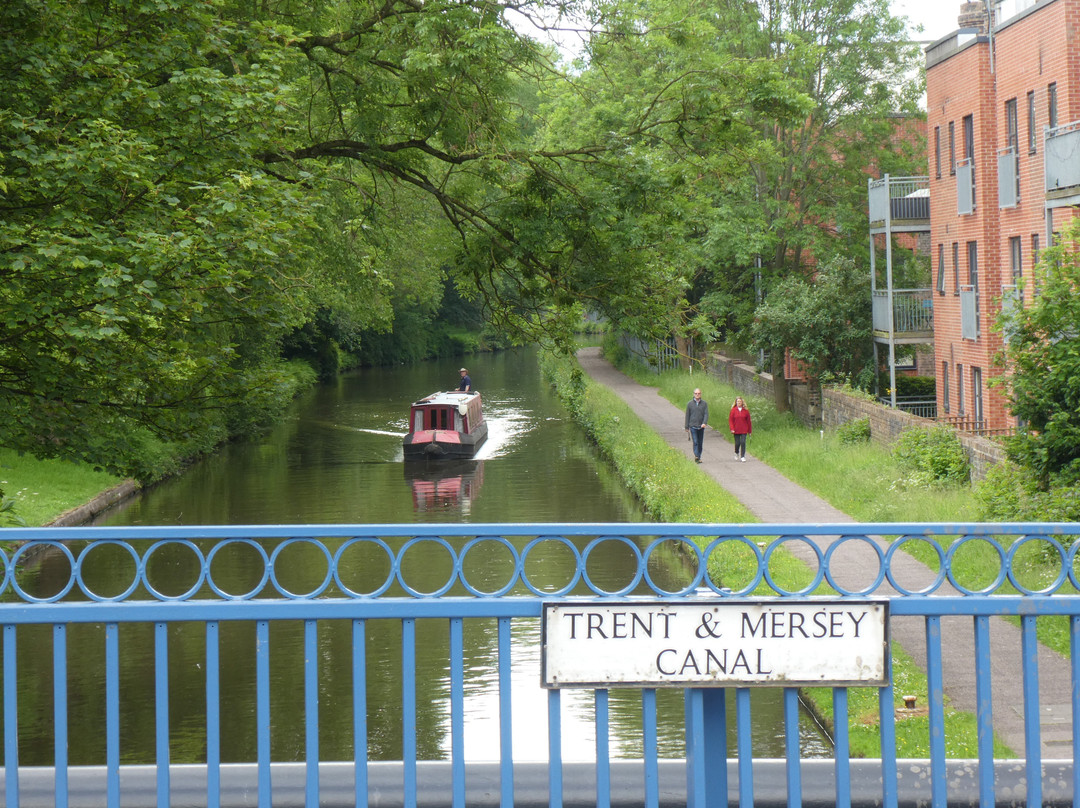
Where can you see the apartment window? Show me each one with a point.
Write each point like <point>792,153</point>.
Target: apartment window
<point>937,152</point>
<point>1032,137</point>
<point>969,137</point>
<point>1015,263</point>
<point>1051,105</point>
<point>1012,125</point>
<point>959,389</point>
<point>952,148</point>
<point>976,395</point>
<point>945,386</point>
<point>941,269</point>
<point>968,124</point>
<point>956,267</point>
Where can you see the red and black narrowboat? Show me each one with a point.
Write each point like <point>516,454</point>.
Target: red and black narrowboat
<point>445,425</point>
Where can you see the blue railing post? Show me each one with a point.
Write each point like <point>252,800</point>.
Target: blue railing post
<point>706,747</point>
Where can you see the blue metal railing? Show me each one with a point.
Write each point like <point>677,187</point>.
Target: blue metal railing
<point>854,561</point>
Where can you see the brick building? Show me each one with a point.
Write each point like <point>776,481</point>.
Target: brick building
<point>1003,125</point>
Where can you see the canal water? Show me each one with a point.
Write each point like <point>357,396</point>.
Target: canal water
<point>338,459</point>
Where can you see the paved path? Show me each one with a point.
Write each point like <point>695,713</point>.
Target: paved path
<point>772,497</point>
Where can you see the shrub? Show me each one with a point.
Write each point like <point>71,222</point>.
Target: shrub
<point>857,431</point>
<point>1011,494</point>
<point>932,456</point>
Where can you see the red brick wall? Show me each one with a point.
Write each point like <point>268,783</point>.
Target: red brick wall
<point>1030,52</point>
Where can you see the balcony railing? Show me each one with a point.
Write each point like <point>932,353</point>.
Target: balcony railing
<point>895,199</point>
<point>969,312</point>
<point>965,186</point>
<point>912,311</point>
<point>975,426</point>
<point>1062,157</point>
<point>921,407</point>
<point>1008,178</point>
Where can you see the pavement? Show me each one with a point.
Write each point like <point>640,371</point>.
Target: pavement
<point>773,498</point>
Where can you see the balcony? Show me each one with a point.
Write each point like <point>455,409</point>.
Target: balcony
<point>1008,178</point>
<point>899,203</point>
<point>1062,168</point>
<point>965,186</point>
<point>912,314</point>
<point>969,313</point>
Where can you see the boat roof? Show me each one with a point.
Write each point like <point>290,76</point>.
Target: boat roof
<point>450,398</point>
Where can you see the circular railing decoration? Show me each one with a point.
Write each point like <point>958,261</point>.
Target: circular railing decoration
<point>724,564</point>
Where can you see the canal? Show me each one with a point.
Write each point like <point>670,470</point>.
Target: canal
<point>338,459</point>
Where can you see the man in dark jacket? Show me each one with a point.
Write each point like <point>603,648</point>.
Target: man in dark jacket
<point>697,415</point>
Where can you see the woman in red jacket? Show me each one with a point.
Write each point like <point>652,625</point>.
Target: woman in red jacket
<point>739,423</point>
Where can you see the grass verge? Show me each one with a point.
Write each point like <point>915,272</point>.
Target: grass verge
<point>43,489</point>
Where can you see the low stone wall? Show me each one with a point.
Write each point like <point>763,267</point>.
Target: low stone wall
<point>838,408</point>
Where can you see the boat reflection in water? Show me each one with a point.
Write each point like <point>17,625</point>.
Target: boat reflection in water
<point>444,484</point>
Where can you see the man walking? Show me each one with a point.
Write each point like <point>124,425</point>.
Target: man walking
<point>697,415</point>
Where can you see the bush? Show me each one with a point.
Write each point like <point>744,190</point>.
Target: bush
<point>1011,494</point>
<point>910,386</point>
<point>857,431</point>
<point>932,456</point>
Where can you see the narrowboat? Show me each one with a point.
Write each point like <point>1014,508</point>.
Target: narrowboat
<point>445,425</point>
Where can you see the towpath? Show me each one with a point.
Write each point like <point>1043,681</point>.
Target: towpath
<point>773,498</point>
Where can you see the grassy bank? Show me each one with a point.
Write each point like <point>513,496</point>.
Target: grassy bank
<point>44,489</point>
<point>672,489</point>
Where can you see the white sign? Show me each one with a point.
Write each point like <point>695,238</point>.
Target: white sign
<point>715,643</point>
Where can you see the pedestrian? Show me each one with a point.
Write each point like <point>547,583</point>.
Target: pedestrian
<point>739,424</point>
<point>697,415</point>
<point>466,382</point>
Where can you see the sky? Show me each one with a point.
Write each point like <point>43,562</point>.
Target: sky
<point>937,17</point>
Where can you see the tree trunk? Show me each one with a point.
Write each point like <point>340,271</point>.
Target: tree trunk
<point>682,345</point>
<point>779,384</point>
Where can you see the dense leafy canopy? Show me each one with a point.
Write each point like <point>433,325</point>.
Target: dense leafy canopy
<point>824,322</point>
<point>190,188</point>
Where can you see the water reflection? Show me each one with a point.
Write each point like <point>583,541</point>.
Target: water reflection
<point>447,485</point>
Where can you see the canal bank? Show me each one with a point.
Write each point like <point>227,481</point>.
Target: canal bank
<point>773,498</point>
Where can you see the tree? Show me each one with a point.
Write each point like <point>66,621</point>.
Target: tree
<point>824,321</point>
<point>802,200</point>
<point>149,261</point>
<point>666,91</point>
<point>1041,367</point>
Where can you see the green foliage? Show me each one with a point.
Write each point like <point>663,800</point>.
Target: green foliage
<point>1041,359</point>
<point>146,251</point>
<point>1011,494</point>
<point>857,431</point>
<point>932,456</point>
<point>912,386</point>
<point>823,320</point>
<point>188,187</point>
<point>8,514</point>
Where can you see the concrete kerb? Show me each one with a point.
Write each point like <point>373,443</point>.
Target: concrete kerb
<point>84,513</point>
<point>772,497</point>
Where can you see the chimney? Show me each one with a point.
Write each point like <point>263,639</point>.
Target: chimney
<point>974,15</point>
